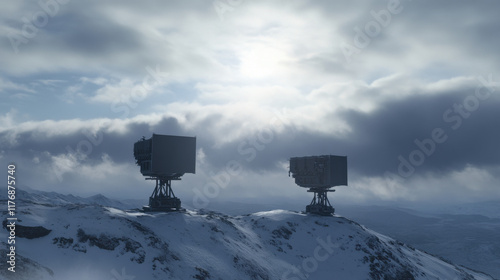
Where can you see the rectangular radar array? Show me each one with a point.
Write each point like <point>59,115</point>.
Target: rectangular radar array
<point>165,155</point>
<point>319,171</point>
<point>164,158</point>
<point>319,174</point>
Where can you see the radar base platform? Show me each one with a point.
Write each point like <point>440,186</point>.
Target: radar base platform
<point>163,205</point>
<point>163,198</point>
<point>320,205</point>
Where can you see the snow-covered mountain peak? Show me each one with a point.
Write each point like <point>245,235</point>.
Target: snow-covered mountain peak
<point>92,241</point>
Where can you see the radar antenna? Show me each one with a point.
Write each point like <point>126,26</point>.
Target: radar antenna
<point>165,158</point>
<point>319,174</point>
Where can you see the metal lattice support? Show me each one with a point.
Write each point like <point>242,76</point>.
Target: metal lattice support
<point>163,197</point>
<point>320,203</point>
<point>163,189</point>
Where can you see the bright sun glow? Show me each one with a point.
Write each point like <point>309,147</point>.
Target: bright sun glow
<point>263,60</point>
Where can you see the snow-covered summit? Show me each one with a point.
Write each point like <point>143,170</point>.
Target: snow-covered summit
<point>95,241</point>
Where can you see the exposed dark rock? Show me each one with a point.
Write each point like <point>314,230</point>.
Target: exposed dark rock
<point>63,242</point>
<point>28,232</point>
<point>202,274</point>
<point>109,243</point>
<point>282,232</point>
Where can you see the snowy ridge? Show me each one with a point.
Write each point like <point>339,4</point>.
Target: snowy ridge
<point>54,198</point>
<point>91,241</point>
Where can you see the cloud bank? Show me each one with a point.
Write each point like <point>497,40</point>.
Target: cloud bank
<point>407,90</point>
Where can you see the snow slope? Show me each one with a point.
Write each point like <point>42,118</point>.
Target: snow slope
<point>91,241</point>
<point>465,239</point>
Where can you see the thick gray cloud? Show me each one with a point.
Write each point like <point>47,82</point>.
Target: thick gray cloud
<point>378,138</point>
<point>225,74</point>
<point>373,145</point>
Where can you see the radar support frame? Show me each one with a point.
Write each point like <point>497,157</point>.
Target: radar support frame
<point>320,204</point>
<point>163,197</point>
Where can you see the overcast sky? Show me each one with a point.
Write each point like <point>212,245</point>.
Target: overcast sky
<point>408,91</point>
